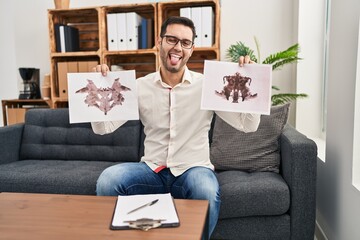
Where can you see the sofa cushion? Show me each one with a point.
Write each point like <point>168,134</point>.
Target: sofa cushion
<point>252,194</point>
<point>256,151</point>
<point>42,176</point>
<point>48,135</point>
<point>254,228</point>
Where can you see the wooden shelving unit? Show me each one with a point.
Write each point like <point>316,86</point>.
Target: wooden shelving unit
<point>14,110</point>
<point>92,26</point>
<point>196,62</point>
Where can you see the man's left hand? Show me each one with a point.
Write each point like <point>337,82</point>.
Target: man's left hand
<point>245,60</point>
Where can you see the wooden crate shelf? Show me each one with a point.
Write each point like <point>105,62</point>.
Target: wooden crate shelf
<point>92,26</point>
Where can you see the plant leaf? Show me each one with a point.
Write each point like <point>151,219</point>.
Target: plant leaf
<point>275,88</point>
<point>257,47</point>
<point>282,98</point>
<point>282,58</point>
<point>277,60</point>
<point>234,52</point>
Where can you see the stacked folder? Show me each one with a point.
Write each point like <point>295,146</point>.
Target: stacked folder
<point>129,31</point>
<point>67,38</point>
<point>203,18</point>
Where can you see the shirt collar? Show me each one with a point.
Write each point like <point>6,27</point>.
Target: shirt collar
<point>186,77</point>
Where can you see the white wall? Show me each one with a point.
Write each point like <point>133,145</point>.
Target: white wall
<point>26,42</point>
<point>271,22</point>
<point>311,29</point>
<point>8,78</point>
<point>338,201</point>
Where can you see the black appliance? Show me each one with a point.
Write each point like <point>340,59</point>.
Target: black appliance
<point>31,88</point>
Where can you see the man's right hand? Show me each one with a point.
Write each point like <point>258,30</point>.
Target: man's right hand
<point>103,68</point>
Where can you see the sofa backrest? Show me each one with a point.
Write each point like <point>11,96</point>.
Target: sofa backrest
<point>48,135</point>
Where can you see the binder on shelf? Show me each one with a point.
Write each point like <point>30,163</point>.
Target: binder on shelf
<point>142,32</point>
<point>146,33</point>
<point>129,31</point>
<point>196,18</point>
<point>86,66</point>
<point>71,39</point>
<point>133,21</point>
<point>150,33</point>
<point>62,38</point>
<point>185,12</point>
<point>66,38</point>
<point>63,68</point>
<point>58,37</point>
<point>207,26</point>
<point>121,31</point>
<point>112,31</point>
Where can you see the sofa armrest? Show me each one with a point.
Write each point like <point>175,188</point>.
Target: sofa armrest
<point>10,141</point>
<point>298,168</point>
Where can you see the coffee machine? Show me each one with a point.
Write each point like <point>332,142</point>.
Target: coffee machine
<point>31,89</point>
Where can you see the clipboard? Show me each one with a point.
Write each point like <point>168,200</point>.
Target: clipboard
<point>146,216</point>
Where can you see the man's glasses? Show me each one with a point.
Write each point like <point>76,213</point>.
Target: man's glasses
<point>172,40</point>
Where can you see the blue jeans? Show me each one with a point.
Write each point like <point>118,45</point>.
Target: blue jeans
<point>138,178</point>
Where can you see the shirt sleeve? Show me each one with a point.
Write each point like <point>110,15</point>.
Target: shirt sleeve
<point>102,128</point>
<point>246,122</point>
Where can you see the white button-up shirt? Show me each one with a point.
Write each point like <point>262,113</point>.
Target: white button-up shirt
<point>176,128</point>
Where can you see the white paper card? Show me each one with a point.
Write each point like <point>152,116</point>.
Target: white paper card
<point>229,87</point>
<point>94,98</point>
<point>163,209</point>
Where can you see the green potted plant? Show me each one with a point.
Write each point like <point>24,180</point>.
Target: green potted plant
<point>277,60</point>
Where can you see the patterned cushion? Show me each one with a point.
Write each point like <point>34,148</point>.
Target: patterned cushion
<point>256,151</point>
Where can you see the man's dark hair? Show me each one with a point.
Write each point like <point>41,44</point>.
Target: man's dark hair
<point>178,20</point>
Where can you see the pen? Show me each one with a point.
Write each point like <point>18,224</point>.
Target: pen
<point>145,205</point>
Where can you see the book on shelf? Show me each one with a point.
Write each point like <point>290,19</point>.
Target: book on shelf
<point>71,39</point>
<point>142,32</point>
<point>67,38</point>
<point>150,33</point>
<point>146,34</point>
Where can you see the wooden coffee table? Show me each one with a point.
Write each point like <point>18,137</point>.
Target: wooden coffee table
<point>53,216</point>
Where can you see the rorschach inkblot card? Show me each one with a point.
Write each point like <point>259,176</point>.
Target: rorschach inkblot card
<point>229,87</point>
<point>94,98</point>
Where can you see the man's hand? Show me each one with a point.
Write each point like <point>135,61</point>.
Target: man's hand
<point>103,68</point>
<point>244,60</point>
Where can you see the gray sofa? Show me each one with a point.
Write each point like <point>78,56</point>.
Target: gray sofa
<point>46,154</point>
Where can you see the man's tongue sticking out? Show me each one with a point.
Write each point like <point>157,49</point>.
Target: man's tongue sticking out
<point>174,59</point>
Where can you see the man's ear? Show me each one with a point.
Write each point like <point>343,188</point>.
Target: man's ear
<point>192,50</point>
<point>158,41</point>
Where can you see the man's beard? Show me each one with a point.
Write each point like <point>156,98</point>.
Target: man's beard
<point>164,59</point>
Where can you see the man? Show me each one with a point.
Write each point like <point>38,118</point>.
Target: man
<point>176,157</point>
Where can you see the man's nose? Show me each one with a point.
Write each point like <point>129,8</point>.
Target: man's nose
<point>178,45</point>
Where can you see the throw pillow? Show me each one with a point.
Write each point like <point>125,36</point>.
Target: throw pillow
<point>256,151</point>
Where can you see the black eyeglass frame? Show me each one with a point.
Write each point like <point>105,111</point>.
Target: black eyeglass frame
<point>178,40</point>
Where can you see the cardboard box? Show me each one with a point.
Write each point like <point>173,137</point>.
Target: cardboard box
<point>87,66</point>
<point>15,115</point>
<point>71,67</point>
